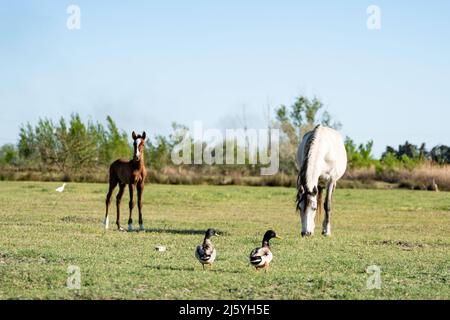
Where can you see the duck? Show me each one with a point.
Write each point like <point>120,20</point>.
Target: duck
<point>205,252</point>
<point>261,257</point>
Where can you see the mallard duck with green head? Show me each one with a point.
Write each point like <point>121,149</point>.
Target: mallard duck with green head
<point>205,252</point>
<point>261,257</point>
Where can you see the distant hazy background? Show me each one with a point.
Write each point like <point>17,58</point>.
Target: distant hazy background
<point>148,64</point>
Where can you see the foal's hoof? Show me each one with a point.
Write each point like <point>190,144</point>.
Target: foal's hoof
<point>326,234</point>
<point>120,229</point>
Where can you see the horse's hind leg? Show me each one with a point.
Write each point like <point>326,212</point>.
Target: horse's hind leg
<point>326,221</point>
<point>112,186</point>
<point>118,199</point>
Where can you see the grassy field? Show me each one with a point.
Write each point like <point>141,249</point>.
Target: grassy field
<point>42,232</point>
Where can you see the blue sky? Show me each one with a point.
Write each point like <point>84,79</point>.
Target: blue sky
<point>149,63</point>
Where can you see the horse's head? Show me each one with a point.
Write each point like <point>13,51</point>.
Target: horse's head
<point>138,145</point>
<point>307,205</point>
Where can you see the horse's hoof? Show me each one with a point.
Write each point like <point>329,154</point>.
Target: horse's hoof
<point>141,228</point>
<point>130,228</point>
<point>120,229</point>
<point>326,234</point>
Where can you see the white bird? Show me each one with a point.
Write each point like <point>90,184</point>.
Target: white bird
<point>435,186</point>
<point>61,189</point>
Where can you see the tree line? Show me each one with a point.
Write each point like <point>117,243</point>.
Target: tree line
<point>72,145</point>
<point>67,145</point>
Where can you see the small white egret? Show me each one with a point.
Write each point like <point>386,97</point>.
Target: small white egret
<point>61,189</point>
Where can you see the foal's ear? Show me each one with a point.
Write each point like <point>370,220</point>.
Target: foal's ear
<point>133,135</point>
<point>144,135</point>
<point>314,192</point>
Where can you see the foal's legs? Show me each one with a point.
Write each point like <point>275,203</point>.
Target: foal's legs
<point>118,199</point>
<point>326,221</point>
<point>131,205</point>
<point>112,186</point>
<point>140,191</point>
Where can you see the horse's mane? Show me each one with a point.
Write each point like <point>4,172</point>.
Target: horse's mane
<point>303,175</point>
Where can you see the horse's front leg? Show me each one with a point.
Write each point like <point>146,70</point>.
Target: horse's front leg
<point>118,199</point>
<point>326,231</point>
<point>131,205</point>
<point>140,191</point>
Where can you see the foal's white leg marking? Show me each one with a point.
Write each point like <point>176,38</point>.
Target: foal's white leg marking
<point>106,223</point>
<point>130,227</point>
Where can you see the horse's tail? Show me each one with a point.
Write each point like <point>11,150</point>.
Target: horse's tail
<point>319,204</point>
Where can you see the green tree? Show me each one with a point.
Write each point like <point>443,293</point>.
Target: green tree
<point>78,143</point>
<point>158,153</point>
<point>440,154</point>
<point>72,145</point>
<point>46,142</point>
<point>311,109</point>
<point>327,121</point>
<point>294,121</point>
<point>8,155</point>
<point>117,142</point>
<point>359,156</point>
<point>27,146</point>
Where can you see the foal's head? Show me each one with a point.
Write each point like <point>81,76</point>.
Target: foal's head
<point>307,205</point>
<point>138,145</point>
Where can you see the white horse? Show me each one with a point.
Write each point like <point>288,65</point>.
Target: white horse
<point>322,160</point>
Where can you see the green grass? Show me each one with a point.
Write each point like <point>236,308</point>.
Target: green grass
<point>405,233</point>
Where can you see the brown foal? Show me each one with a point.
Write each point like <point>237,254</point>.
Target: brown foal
<point>131,173</point>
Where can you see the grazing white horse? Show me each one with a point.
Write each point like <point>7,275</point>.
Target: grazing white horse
<point>322,160</point>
